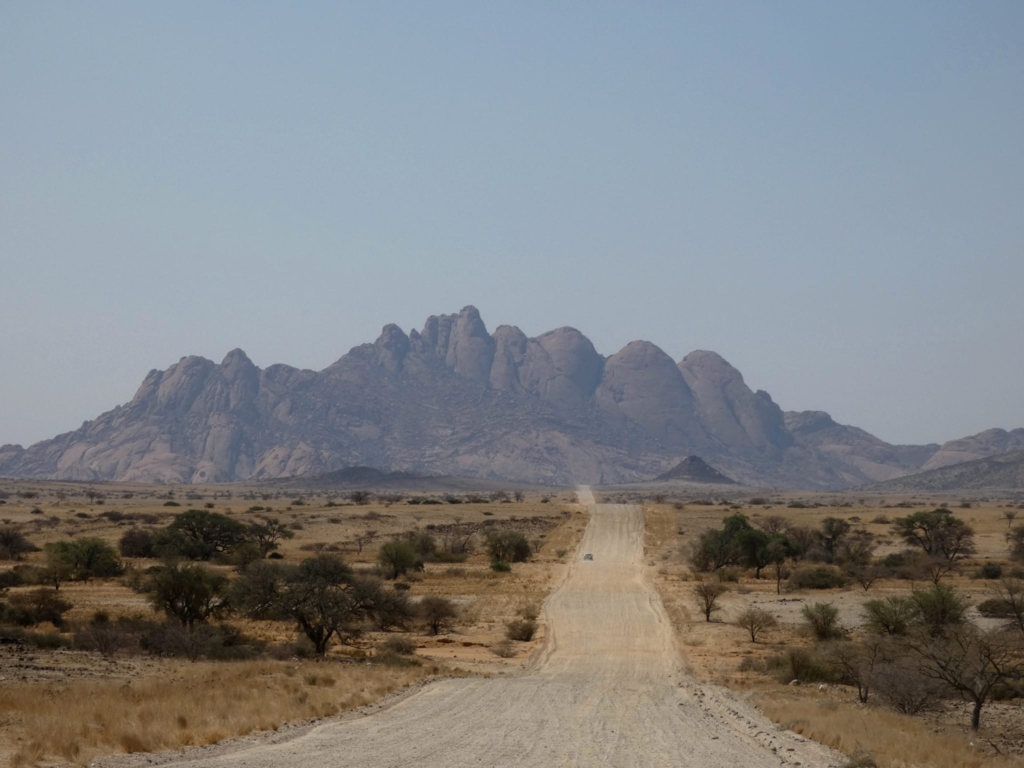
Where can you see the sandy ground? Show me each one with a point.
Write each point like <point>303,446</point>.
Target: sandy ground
<point>608,688</point>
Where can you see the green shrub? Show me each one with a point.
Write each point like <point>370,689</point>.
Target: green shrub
<point>199,534</point>
<point>84,558</point>
<point>510,546</point>
<point>822,620</point>
<point>26,609</point>
<point>890,616</point>
<point>995,608</point>
<point>136,542</point>
<point>501,566</point>
<point>397,558</point>
<point>940,607</point>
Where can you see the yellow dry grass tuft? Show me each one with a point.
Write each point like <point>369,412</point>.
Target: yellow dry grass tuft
<point>203,704</point>
<point>895,740</point>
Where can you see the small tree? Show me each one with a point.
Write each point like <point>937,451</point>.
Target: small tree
<point>857,549</point>
<point>855,663</point>
<point>518,496</point>
<point>823,621</point>
<point>189,593</point>
<point>971,662</point>
<point>774,524</point>
<point>1010,515</point>
<point>360,497</point>
<point>365,538</point>
<point>397,558</point>
<point>437,612</point>
<point>866,575</point>
<point>706,593</point>
<point>755,621</point>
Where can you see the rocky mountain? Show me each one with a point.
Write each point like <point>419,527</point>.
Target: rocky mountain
<point>994,473</point>
<point>694,469</point>
<point>454,399</point>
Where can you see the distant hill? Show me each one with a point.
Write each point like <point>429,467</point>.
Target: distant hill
<point>695,470</point>
<point>991,442</point>
<point>1002,472</point>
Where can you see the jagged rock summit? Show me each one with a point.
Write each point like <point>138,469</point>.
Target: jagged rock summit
<point>694,469</point>
<point>454,399</point>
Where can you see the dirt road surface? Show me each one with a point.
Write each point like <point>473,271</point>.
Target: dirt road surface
<point>609,689</point>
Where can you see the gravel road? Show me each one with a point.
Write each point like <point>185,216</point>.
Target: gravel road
<point>609,689</point>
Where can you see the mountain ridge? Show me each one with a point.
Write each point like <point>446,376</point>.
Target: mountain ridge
<point>454,399</point>
<point>1002,472</point>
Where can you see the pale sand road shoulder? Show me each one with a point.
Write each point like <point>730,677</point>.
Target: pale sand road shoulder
<point>608,690</point>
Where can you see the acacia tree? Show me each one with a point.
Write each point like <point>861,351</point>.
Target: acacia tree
<point>326,602</point>
<point>199,534</point>
<point>717,548</point>
<point>971,662</point>
<point>398,557</point>
<point>189,593</point>
<point>268,535</point>
<point>82,559</point>
<point>833,531</point>
<point>938,533</point>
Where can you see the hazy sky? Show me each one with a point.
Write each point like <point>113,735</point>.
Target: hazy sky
<point>830,197</point>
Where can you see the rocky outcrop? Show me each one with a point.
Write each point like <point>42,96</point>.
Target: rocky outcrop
<point>641,383</point>
<point>740,419</point>
<point>453,399</point>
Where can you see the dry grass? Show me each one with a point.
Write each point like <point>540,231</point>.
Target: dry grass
<point>895,740</point>
<point>202,704</point>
